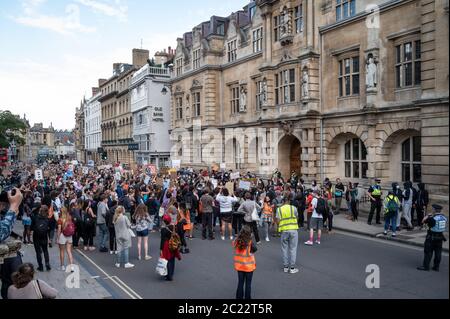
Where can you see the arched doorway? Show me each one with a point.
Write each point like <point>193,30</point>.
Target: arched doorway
<point>289,156</point>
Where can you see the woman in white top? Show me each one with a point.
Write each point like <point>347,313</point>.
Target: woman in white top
<point>25,287</point>
<point>226,211</point>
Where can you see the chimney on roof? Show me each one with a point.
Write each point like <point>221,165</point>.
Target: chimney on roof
<point>95,91</point>
<point>140,57</point>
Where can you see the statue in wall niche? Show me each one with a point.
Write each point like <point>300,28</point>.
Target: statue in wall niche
<point>243,99</point>
<point>305,84</point>
<point>285,28</point>
<point>371,73</point>
<point>264,92</point>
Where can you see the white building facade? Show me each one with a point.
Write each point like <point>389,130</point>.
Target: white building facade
<point>150,105</point>
<point>93,131</point>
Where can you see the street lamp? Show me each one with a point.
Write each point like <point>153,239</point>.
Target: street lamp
<point>164,90</point>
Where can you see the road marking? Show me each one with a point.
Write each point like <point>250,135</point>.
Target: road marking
<point>130,292</point>
<point>389,242</point>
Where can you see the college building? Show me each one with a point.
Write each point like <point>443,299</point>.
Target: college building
<point>331,88</point>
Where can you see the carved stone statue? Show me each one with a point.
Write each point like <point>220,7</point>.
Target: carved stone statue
<point>264,92</point>
<point>285,27</point>
<point>371,73</point>
<point>243,99</point>
<point>305,84</point>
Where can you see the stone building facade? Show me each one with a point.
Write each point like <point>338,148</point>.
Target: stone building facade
<point>329,88</point>
<point>42,140</point>
<point>93,132</point>
<point>117,119</point>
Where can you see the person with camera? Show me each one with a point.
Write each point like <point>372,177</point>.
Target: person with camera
<point>11,264</point>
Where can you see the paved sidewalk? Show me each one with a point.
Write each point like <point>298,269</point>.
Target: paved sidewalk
<point>415,237</point>
<point>90,288</point>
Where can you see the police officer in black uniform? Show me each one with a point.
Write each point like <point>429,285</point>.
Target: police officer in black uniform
<point>375,201</point>
<point>435,237</point>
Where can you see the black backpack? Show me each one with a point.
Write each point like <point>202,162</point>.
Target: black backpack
<point>41,227</point>
<point>321,208</point>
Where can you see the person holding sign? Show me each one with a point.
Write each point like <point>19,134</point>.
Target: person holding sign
<point>226,203</point>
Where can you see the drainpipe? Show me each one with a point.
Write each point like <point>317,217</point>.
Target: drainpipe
<point>321,150</point>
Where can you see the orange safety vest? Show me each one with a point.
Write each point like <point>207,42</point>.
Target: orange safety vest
<point>186,216</point>
<point>244,260</point>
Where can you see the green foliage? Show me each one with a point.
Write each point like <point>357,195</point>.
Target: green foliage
<point>11,129</point>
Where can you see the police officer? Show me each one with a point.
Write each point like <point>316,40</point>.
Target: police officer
<point>436,226</point>
<point>375,201</point>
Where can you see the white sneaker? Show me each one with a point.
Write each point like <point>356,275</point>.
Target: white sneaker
<point>309,243</point>
<point>62,268</point>
<point>267,239</point>
<point>139,258</point>
<point>148,257</point>
<point>115,252</point>
<point>317,242</point>
<point>223,237</point>
<point>111,252</point>
<point>293,271</point>
<point>231,238</point>
<point>127,266</point>
<point>118,265</point>
<point>286,270</point>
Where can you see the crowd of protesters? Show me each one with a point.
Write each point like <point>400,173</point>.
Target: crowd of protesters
<point>72,205</point>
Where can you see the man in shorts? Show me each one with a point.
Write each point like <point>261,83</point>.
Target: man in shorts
<point>316,218</point>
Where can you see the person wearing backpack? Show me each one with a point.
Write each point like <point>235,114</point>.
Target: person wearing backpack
<point>319,206</point>
<point>437,225</point>
<point>170,246</point>
<point>66,229</point>
<point>39,227</point>
<point>391,208</point>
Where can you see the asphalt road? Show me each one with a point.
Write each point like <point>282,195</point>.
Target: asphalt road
<point>336,269</point>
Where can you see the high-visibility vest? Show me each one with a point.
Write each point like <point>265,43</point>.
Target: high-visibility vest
<point>244,260</point>
<point>288,221</point>
<point>376,190</point>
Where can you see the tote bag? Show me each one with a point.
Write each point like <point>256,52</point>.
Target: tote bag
<point>161,267</point>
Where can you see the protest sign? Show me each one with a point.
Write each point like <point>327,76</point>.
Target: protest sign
<point>245,185</point>
<point>236,175</point>
<point>176,164</point>
<point>85,170</point>
<point>147,180</point>
<point>230,187</point>
<point>214,182</point>
<point>38,175</point>
<point>223,166</point>
<point>152,169</point>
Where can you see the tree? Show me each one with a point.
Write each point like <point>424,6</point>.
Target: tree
<point>12,128</point>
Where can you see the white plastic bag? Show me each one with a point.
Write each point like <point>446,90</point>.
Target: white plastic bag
<point>161,267</point>
<point>255,216</point>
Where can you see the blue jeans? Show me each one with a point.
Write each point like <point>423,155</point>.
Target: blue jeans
<point>123,257</point>
<point>103,235</point>
<point>392,221</point>
<point>245,278</point>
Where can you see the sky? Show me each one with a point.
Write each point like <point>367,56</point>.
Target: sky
<point>52,52</point>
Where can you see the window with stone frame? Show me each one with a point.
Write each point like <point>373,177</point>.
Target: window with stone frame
<point>257,40</point>
<point>408,66</point>
<point>234,99</point>
<point>412,160</point>
<point>196,104</point>
<point>345,9</point>
<point>196,59</point>
<point>232,50</point>
<point>285,87</point>
<point>276,28</point>
<point>356,165</point>
<point>220,28</point>
<point>259,95</point>
<point>179,66</point>
<point>349,76</point>
<point>179,108</point>
<point>298,15</point>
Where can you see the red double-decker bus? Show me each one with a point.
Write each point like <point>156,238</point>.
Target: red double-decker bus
<point>3,157</point>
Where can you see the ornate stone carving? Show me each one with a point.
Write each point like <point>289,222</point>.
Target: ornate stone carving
<point>305,83</point>
<point>243,99</point>
<point>287,127</point>
<point>371,73</point>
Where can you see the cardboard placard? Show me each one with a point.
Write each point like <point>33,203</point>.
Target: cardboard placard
<point>236,175</point>
<point>245,185</point>
<point>152,169</point>
<point>214,182</point>
<point>176,164</point>
<point>38,175</point>
<point>173,175</point>
<point>230,187</point>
